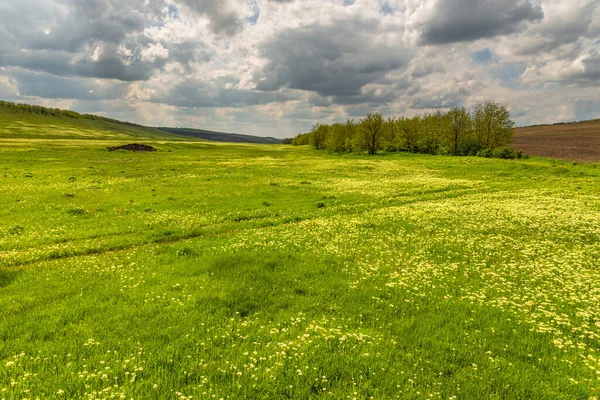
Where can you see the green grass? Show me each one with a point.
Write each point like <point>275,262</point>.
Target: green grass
<point>273,272</point>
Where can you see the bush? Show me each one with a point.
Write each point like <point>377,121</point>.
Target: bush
<point>469,147</point>
<point>505,153</point>
<point>487,153</point>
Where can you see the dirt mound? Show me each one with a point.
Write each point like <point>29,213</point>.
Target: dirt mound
<point>137,147</point>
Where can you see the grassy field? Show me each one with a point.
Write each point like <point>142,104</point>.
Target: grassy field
<point>215,271</point>
<point>576,141</point>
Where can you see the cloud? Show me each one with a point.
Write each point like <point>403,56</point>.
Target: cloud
<point>153,52</point>
<point>53,87</point>
<point>424,69</point>
<point>334,59</point>
<point>563,29</point>
<point>84,38</point>
<point>225,18</point>
<point>468,20</point>
<point>8,88</point>
<point>101,61</point>
<point>219,92</point>
<point>585,71</point>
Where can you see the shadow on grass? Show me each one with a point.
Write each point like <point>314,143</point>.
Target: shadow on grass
<point>7,277</point>
<point>270,282</point>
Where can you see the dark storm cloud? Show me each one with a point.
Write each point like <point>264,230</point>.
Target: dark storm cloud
<point>468,20</point>
<point>332,60</point>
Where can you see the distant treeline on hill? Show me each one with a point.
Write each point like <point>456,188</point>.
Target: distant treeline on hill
<point>221,136</point>
<point>56,112</point>
<point>486,131</point>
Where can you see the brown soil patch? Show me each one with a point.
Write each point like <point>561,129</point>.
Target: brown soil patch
<point>138,148</point>
<point>573,142</point>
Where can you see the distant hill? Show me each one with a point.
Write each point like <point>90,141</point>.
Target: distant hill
<point>24,121</point>
<point>222,137</point>
<point>574,141</point>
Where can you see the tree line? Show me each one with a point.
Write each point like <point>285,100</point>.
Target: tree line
<point>486,130</point>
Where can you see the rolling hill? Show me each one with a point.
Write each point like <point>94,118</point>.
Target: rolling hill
<point>34,122</point>
<point>24,121</point>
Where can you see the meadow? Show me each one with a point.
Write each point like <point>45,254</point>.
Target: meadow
<point>231,271</point>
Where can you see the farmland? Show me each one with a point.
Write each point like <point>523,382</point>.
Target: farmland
<point>237,271</point>
<point>578,141</point>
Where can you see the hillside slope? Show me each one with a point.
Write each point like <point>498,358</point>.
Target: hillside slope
<point>576,141</point>
<point>35,122</point>
<point>24,121</point>
<point>221,136</point>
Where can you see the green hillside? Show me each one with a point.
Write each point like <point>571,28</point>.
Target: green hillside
<point>24,121</point>
<point>35,122</point>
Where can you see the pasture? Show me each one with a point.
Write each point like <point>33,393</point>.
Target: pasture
<point>222,271</point>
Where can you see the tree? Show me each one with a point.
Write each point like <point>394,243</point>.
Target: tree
<point>433,127</point>
<point>371,132</point>
<point>459,127</point>
<point>350,135</point>
<point>458,132</point>
<point>492,124</point>
<point>390,132</point>
<point>318,136</point>
<point>335,140</point>
<point>411,133</point>
<point>302,139</point>
<point>340,137</point>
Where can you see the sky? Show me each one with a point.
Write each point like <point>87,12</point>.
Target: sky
<point>276,67</point>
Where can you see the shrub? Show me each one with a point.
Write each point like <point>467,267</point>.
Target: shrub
<point>469,147</point>
<point>487,153</point>
<point>505,153</point>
